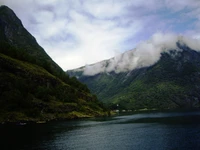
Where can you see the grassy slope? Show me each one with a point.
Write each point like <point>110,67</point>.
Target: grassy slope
<point>29,92</point>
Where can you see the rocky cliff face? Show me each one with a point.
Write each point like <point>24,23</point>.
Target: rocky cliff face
<point>32,86</point>
<point>172,82</point>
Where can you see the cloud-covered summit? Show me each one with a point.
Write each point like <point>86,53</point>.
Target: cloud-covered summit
<point>145,54</point>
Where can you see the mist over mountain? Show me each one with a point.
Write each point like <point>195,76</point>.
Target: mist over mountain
<point>161,73</point>
<point>145,54</point>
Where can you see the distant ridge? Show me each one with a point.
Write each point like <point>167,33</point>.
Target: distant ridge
<point>161,73</point>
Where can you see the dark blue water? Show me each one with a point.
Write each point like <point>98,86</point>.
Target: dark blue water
<point>156,131</point>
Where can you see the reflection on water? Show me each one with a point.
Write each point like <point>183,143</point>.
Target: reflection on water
<point>153,130</point>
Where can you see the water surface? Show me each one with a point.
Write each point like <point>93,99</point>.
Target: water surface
<point>152,130</point>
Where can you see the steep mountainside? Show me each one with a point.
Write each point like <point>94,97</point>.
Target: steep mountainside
<point>32,86</point>
<point>171,82</point>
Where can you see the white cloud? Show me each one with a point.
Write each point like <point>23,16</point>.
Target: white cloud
<point>105,8</point>
<point>182,4</point>
<point>79,32</point>
<point>145,54</point>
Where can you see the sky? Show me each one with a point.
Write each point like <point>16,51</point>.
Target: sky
<point>75,33</point>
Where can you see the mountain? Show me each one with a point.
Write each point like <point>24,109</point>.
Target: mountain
<point>161,73</point>
<point>32,86</point>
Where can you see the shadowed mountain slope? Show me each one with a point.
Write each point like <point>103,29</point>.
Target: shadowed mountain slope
<point>32,86</point>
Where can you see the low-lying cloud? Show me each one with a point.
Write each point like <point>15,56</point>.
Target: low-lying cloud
<point>145,54</point>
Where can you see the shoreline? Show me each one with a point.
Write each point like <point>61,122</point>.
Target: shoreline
<point>52,117</point>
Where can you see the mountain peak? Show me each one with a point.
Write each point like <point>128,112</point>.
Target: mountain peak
<point>144,55</point>
<point>12,29</point>
<point>4,7</point>
<point>32,86</point>
<point>173,81</point>
<point>8,15</point>
<point>13,33</point>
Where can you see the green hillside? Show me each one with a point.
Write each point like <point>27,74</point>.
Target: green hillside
<point>173,82</point>
<point>32,86</point>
